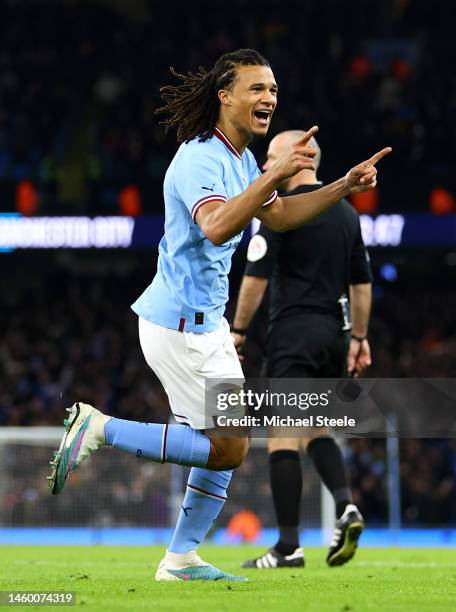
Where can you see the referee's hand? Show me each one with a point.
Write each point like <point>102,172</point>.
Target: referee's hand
<point>359,357</point>
<point>239,341</point>
<point>363,177</point>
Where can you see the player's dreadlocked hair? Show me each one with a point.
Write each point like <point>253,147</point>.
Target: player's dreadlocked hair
<point>193,107</point>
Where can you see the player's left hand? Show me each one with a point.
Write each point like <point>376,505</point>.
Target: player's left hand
<point>359,357</point>
<point>364,176</point>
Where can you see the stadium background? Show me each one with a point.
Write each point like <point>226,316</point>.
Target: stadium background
<point>78,86</point>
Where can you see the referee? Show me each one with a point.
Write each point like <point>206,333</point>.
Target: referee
<point>320,279</point>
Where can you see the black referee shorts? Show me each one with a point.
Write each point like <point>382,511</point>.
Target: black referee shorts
<point>307,346</point>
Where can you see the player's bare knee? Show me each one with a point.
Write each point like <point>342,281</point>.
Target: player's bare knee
<point>227,453</point>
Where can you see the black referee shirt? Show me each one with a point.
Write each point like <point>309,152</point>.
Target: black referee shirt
<point>312,266</point>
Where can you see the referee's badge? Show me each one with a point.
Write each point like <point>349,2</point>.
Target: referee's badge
<point>257,249</point>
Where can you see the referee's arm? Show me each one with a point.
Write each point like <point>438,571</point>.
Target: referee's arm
<point>261,257</point>
<point>360,307</point>
<point>359,354</point>
<point>250,297</point>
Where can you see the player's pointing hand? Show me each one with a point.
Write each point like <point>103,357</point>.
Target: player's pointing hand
<point>363,177</point>
<point>299,156</point>
<point>378,156</point>
<point>308,135</point>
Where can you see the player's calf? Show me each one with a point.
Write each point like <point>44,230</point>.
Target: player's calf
<point>87,429</point>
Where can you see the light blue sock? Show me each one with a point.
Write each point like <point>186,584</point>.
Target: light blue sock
<point>173,443</point>
<point>203,501</point>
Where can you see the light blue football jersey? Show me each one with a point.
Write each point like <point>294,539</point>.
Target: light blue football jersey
<point>190,290</point>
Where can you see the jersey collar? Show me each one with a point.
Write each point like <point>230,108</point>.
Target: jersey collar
<point>221,136</point>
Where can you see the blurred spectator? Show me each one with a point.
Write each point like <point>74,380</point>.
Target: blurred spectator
<point>441,201</point>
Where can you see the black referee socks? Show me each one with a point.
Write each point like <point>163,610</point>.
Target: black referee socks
<point>327,458</point>
<point>286,485</point>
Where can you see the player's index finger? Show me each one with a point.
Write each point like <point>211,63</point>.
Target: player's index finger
<point>378,156</point>
<point>308,135</point>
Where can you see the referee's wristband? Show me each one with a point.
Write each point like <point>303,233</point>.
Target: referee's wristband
<point>359,338</point>
<point>237,330</point>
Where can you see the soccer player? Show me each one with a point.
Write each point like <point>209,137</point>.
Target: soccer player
<point>212,190</point>
<point>311,270</point>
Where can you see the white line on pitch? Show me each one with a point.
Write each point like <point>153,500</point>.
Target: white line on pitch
<point>411,564</point>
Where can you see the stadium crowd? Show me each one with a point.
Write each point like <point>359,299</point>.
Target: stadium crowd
<point>80,81</point>
<point>71,336</point>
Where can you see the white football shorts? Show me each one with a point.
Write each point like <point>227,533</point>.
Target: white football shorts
<point>183,361</point>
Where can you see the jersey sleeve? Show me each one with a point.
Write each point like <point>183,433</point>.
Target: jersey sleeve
<point>255,172</point>
<point>262,252</point>
<point>360,266</point>
<point>198,180</point>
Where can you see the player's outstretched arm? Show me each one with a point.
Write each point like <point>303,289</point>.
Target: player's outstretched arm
<point>221,221</point>
<point>292,211</point>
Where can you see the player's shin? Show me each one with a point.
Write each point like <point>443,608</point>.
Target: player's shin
<point>162,443</point>
<point>203,501</point>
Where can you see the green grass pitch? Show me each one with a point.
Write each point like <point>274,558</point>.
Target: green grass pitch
<point>121,578</point>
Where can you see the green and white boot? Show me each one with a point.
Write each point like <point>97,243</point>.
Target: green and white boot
<point>84,434</point>
<point>190,566</point>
